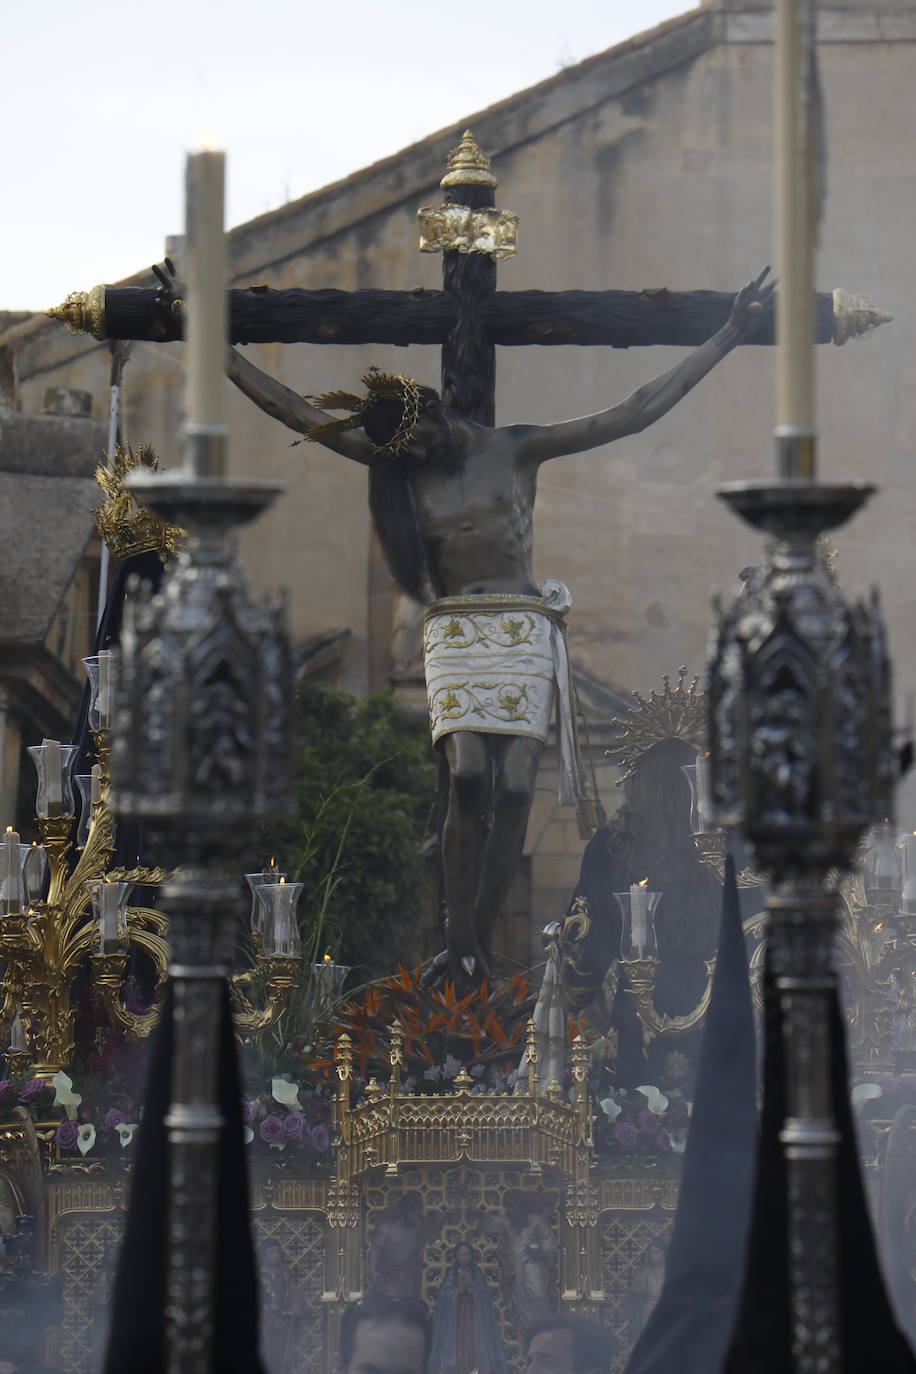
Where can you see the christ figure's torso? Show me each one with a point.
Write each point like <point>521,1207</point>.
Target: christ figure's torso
<point>476,522</point>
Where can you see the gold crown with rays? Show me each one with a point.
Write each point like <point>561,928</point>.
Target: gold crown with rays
<point>671,714</point>
<point>380,386</point>
<point>127,527</point>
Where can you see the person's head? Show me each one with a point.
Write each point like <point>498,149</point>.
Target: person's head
<point>659,794</point>
<point>519,1206</point>
<point>383,1335</point>
<point>410,422</point>
<point>409,1208</point>
<point>463,1255</point>
<point>568,1345</point>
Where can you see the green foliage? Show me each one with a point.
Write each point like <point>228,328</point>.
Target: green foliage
<point>366,787</point>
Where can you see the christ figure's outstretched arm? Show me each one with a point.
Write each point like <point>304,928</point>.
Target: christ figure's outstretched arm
<point>290,409</point>
<point>649,403</point>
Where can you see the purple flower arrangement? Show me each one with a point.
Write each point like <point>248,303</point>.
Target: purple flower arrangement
<point>288,1118</point>
<point>98,1133</point>
<point>641,1122</point>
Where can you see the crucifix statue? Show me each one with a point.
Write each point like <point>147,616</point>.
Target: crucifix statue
<point>452,496</point>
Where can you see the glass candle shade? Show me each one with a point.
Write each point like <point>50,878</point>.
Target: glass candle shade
<point>109,909</point>
<point>637,907</point>
<point>881,877</point>
<point>327,983</point>
<point>14,856</point>
<point>98,670</point>
<point>279,927</point>
<point>36,872</point>
<point>256,881</point>
<point>53,764</point>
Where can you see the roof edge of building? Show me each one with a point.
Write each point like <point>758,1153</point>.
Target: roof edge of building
<point>499,128</point>
<point>411,171</point>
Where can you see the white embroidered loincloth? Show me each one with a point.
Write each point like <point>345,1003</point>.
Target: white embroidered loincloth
<point>494,663</point>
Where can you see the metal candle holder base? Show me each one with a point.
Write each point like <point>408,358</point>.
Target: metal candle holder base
<point>801,755</point>
<point>639,975</point>
<point>202,745</point>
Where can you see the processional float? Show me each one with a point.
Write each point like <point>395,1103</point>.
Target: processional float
<point>800,724</point>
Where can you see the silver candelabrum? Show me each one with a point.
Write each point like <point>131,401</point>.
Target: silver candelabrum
<point>201,746</point>
<point>800,738</point>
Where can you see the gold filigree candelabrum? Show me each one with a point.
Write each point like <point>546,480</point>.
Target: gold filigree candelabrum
<point>875,944</point>
<point>63,905</point>
<point>277,948</point>
<point>639,965</point>
<point>56,912</point>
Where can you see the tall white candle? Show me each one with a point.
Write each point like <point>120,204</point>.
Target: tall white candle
<point>908,895</point>
<point>282,932</point>
<point>108,915</point>
<point>95,794</point>
<point>639,917</point>
<point>54,778</point>
<point>206,319</point>
<point>104,688</point>
<point>9,867</point>
<point>796,221</point>
<point>35,866</point>
<point>18,1041</point>
<point>704,793</point>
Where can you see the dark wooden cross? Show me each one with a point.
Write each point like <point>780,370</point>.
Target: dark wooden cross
<point>468,317</point>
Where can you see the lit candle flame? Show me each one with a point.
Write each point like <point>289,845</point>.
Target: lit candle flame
<point>282,882</point>
<point>327,959</point>
<point>273,862</point>
<point>643,883</point>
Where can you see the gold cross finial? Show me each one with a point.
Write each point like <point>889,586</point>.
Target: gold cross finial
<point>83,312</point>
<point>468,165</point>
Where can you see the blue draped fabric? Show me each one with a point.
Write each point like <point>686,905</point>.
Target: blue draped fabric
<point>490,1356</point>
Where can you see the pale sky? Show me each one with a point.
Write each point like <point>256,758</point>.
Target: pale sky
<point>102,100</point>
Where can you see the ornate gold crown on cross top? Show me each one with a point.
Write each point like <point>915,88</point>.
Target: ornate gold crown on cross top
<point>678,714</point>
<point>127,527</point>
<point>456,228</point>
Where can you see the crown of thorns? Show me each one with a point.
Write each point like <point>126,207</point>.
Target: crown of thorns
<point>380,386</point>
